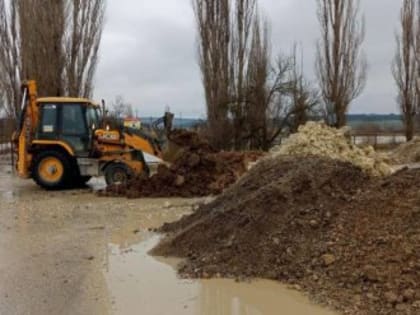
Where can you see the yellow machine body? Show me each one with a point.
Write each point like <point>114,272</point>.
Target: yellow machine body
<point>55,159</point>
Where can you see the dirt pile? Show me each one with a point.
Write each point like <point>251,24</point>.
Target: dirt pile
<point>351,241</point>
<point>198,170</point>
<point>407,153</point>
<point>319,139</point>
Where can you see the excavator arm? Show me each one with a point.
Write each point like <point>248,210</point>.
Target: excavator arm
<point>23,136</point>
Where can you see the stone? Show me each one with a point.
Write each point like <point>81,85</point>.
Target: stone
<point>391,297</point>
<point>409,294</point>
<point>401,307</point>
<point>314,223</point>
<point>179,181</point>
<point>194,160</point>
<point>372,297</point>
<point>371,273</point>
<point>328,259</point>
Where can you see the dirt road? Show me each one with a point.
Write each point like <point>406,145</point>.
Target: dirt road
<point>74,253</point>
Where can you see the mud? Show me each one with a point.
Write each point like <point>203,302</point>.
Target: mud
<point>197,171</point>
<point>53,245</point>
<point>349,240</point>
<point>74,253</point>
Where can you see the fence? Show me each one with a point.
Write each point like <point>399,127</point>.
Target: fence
<point>378,139</point>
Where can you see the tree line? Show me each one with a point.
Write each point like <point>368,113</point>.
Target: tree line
<point>252,95</point>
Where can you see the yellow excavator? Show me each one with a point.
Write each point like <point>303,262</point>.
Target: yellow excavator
<point>62,142</point>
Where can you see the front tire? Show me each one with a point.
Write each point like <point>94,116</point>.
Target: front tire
<point>117,173</point>
<point>52,170</point>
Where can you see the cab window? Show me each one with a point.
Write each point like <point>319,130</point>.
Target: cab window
<point>92,117</point>
<point>49,119</point>
<point>73,120</point>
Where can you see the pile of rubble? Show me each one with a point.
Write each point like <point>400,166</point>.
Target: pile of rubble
<point>198,170</point>
<point>407,153</point>
<point>350,240</point>
<point>318,139</point>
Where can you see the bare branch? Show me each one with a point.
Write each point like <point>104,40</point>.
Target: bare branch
<point>83,37</point>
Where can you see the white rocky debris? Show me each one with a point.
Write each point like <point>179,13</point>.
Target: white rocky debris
<point>315,138</point>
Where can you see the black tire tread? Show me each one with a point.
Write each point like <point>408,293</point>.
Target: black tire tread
<point>67,166</point>
<point>114,165</point>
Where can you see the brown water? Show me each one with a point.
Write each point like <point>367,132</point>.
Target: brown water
<point>141,284</point>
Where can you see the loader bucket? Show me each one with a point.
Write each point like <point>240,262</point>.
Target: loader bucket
<point>172,151</point>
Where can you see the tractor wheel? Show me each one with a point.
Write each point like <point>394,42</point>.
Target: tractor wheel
<point>117,173</point>
<point>52,170</point>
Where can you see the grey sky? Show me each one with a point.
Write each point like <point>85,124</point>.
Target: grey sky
<point>148,52</point>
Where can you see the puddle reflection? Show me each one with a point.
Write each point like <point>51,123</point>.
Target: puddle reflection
<point>141,284</point>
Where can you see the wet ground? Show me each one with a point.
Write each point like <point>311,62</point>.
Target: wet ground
<point>74,253</point>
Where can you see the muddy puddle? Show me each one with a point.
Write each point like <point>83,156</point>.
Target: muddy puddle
<point>141,284</point>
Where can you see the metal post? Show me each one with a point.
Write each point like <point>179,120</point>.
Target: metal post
<point>12,157</point>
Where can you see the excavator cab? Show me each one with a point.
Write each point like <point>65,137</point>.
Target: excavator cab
<point>70,121</point>
<point>62,142</point>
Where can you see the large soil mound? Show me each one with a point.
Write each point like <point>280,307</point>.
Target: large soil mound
<point>351,241</point>
<point>198,170</point>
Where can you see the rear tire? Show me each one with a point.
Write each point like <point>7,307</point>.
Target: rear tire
<point>117,173</point>
<point>52,170</point>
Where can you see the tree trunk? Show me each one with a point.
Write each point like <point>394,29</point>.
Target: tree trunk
<point>409,129</point>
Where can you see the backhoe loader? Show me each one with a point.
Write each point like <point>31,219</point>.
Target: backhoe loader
<point>62,142</point>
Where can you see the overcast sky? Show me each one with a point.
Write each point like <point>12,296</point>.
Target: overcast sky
<point>148,52</point>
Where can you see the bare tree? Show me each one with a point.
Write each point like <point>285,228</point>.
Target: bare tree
<point>340,65</point>
<point>120,108</point>
<point>279,99</point>
<point>227,31</point>
<point>249,101</point>
<point>275,105</point>
<point>245,28</point>
<point>41,25</point>
<point>254,131</point>
<point>82,39</point>
<point>304,97</point>
<point>10,61</point>
<point>404,67</point>
<point>213,23</point>
<point>53,42</point>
